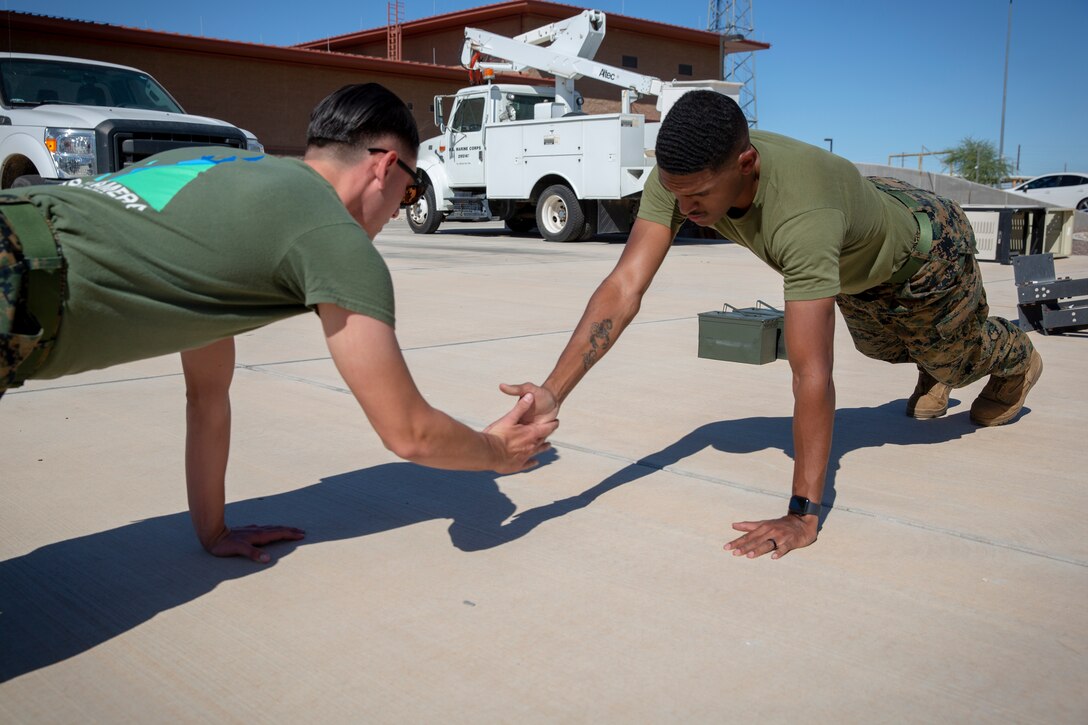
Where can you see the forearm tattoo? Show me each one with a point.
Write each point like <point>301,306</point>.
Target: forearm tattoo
<point>600,337</point>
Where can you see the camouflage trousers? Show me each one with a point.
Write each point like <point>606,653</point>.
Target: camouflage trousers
<point>938,319</point>
<point>19,334</point>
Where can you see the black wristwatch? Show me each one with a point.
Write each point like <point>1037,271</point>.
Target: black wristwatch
<point>801,506</point>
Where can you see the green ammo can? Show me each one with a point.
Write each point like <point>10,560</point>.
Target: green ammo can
<point>753,335</point>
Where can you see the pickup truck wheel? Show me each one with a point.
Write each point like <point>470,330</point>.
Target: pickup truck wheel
<point>423,217</point>
<point>27,180</point>
<point>559,215</point>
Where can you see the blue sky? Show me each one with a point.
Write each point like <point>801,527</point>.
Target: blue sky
<point>878,77</point>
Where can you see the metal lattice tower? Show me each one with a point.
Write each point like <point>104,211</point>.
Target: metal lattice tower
<point>394,9</point>
<point>732,20</point>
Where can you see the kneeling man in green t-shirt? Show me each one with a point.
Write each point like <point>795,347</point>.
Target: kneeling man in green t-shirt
<point>898,261</point>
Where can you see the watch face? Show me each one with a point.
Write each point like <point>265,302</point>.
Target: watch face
<point>801,505</point>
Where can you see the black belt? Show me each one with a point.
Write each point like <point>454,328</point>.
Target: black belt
<point>44,278</point>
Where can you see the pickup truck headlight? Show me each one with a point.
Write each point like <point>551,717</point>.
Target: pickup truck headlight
<point>253,144</point>
<point>73,151</point>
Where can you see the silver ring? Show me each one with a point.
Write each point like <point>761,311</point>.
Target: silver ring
<point>774,544</point>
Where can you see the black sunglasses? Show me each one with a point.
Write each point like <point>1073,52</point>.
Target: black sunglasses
<point>419,185</point>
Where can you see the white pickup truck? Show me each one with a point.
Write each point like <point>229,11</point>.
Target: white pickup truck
<point>68,117</point>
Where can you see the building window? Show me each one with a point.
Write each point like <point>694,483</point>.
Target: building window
<point>630,61</point>
<point>685,69</point>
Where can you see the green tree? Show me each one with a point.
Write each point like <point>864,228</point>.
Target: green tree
<point>977,160</point>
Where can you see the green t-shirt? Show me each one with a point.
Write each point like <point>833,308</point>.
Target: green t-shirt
<point>196,245</point>
<point>815,219</point>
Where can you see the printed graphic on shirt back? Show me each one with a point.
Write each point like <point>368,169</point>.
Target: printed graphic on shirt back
<point>153,184</point>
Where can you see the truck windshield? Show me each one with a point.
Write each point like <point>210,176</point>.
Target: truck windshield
<point>34,82</point>
<point>469,116</point>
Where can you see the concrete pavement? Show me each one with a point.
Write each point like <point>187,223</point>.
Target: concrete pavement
<point>949,582</point>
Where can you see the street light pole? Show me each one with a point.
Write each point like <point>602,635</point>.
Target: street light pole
<point>830,144</point>
<point>1005,87</point>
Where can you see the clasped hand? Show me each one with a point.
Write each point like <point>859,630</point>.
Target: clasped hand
<point>521,436</point>
<point>544,406</point>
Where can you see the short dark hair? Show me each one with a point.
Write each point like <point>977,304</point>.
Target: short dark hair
<point>358,115</point>
<point>703,130</point>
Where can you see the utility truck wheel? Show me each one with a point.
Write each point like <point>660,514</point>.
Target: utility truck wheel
<point>423,216</point>
<point>520,224</point>
<point>559,215</point>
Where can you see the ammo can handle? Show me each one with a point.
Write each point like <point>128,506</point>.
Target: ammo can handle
<point>731,307</point>
<point>761,302</point>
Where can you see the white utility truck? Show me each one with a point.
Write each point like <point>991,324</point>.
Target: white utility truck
<point>68,117</point>
<point>527,154</point>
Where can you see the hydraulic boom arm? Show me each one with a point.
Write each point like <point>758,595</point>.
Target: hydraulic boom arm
<point>569,56</point>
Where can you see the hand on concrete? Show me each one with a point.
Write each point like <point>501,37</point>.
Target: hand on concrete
<point>776,537</point>
<point>545,408</point>
<point>244,540</point>
<point>517,442</point>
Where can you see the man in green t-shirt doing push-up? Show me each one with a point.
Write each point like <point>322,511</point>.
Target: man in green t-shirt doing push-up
<point>189,248</point>
<point>897,260</point>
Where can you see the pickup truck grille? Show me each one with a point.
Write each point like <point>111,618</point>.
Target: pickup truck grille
<point>132,147</point>
<point>125,143</point>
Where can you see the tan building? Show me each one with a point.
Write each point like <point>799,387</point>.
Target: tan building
<point>270,90</point>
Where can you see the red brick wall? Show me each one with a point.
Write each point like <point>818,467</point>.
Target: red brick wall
<point>271,91</point>
<point>268,96</point>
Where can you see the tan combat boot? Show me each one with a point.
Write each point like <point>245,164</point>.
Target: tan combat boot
<point>1002,398</point>
<point>930,397</point>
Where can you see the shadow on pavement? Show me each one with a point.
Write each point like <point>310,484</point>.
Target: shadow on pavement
<point>66,598</point>
<point>855,428</point>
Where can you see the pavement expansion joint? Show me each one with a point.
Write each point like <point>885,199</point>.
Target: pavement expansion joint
<point>898,520</point>
<point>839,508</point>
<point>96,383</point>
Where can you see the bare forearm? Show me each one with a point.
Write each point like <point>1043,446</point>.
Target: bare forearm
<point>813,417</point>
<point>208,373</point>
<point>810,334</point>
<point>608,313</point>
<point>207,445</point>
<point>368,357</point>
<point>432,438</point>
<point>813,422</point>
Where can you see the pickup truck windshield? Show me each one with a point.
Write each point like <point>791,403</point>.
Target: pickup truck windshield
<point>34,82</point>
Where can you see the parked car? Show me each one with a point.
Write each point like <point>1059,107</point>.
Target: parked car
<point>66,117</point>
<point>1065,190</point>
